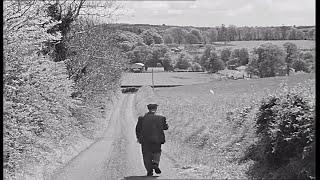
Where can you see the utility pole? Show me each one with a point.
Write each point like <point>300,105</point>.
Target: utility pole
<point>152,80</point>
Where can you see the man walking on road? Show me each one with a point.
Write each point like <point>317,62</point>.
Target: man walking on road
<point>149,132</point>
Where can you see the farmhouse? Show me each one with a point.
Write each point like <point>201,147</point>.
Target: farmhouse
<point>137,67</point>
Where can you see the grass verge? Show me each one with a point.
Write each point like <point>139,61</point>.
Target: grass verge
<point>212,124</point>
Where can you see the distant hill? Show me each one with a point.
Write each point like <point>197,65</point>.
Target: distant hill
<point>138,28</point>
<point>209,35</point>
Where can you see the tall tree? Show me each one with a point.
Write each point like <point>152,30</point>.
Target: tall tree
<point>284,32</point>
<point>232,32</point>
<point>197,33</point>
<point>215,63</point>
<point>167,39</point>
<point>158,52</point>
<point>268,60</point>
<point>225,54</point>
<point>178,34</point>
<point>183,61</point>
<point>291,51</point>
<point>66,12</point>
<point>205,56</point>
<point>167,62</point>
<point>191,39</point>
<point>140,54</point>
<point>213,35</point>
<point>147,37</point>
<point>243,56</point>
<point>223,34</point>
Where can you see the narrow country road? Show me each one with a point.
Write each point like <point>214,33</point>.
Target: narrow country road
<point>116,155</point>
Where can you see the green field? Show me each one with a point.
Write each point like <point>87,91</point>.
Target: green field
<point>198,50</point>
<point>301,44</point>
<point>166,78</point>
<point>171,78</point>
<point>205,127</point>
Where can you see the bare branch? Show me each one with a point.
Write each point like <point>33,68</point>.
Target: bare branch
<point>19,16</point>
<point>79,7</point>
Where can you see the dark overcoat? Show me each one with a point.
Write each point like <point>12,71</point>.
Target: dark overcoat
<point>149,129</point>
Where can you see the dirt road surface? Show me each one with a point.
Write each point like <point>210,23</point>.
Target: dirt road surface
<point>116,155</point>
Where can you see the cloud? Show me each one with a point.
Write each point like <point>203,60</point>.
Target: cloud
<point>175,11</point>
<point>217,12</point>
<point>293,5</point>
<point>248,8</point>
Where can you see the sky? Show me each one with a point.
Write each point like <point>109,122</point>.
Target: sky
<point>208,13</point>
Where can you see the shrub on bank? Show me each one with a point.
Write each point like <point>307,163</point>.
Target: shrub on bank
<point>286,130</point>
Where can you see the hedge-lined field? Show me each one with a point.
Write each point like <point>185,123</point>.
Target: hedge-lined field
<point>215,128</point>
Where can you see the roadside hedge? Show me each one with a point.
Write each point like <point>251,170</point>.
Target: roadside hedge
<point>286,130</point>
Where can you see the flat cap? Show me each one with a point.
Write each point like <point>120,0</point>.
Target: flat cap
<point>152,106</point>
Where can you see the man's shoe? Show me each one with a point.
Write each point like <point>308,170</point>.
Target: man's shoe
<point>149,173</point>
<point>157,170</point>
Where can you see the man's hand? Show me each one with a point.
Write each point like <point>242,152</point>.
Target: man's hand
<point>165,125</point>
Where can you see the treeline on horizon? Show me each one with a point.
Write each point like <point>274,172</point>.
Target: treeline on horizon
<point>222,33</point>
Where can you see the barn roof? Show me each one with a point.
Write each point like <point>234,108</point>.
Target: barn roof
<point>137,65</point>
<point>141,64</point>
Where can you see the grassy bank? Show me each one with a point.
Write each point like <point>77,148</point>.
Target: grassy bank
<point>212,130</point>
<point>93,119</point>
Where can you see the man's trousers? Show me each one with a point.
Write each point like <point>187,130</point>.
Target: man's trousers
<point>151,155</point>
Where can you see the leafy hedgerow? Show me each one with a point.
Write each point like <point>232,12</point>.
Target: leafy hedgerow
<point>36,93</point>
<point>95,62</point>
<point>286,130</point>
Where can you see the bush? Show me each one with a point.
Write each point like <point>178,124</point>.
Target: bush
<point>97,63</point>
<point>158,53</point>
<point>183,61</point>
<point>140,54</point>
<point>196,67</point>
<point>232,64</point>
<point>126,41</point>
<point>151,36</point>
<point>215,63</point>
<point>242,55</point>
<point>309,59</point>
<point>205,61</point>
<point>167,62</point>
<point>299,65</point>
<point>225,54</point>
<point>286,130</point>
